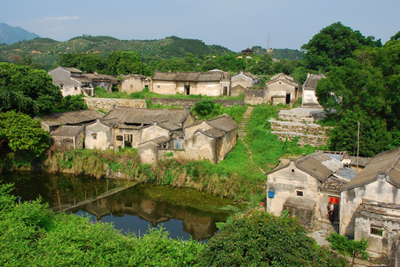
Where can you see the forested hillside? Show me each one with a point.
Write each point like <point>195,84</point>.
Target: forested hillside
<point>46,51</point>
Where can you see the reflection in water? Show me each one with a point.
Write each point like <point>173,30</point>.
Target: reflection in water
<point>182,212</point>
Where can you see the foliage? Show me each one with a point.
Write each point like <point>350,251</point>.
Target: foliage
<point>365,89</point>
<point>333,45</point>
<point>203,108</point>
<point>125,63</point>
<point>349,247</point>
<point>30,235</point>
<point>262,239</point>
<point>72,103</point>
<point>22,133</point>
<point>26,90</point>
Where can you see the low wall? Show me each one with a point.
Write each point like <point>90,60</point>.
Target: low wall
<point>304,139</point>
<point>297,127</point>
<point>107,104</point>
<point>254,97</point>
<point>187,103</point>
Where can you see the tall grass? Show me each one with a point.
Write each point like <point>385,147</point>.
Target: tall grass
<point>101,92</point>
<point>266,147</point>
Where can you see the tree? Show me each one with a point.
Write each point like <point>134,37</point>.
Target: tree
<point>262,239</point>
<point>333,44</point>
<point>72,103</point>
<point>125,63</point>
<point>203,108</point>
<point>30,91</point>
<point>365,89</point>
<point>349,247</point>
<point>22,133</point>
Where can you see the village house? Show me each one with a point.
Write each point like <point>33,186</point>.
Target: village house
<point>67,129</point>
<point>306,185</point>
<point>242,81</point>
<point>211,139</point>
<point>74,82</point>
<point>52,121</point>
<point>133,83</point>
<point>309,98</point>
<point>132,126</point>
<point>212,83</point>
<point>370,203</point>
<point>282,89</point>
<point>102,80</point>
<point>68,137</point>
<point>71,81</point>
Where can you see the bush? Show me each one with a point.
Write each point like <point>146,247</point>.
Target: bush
<point>204,108</point>
<point>262,239</point>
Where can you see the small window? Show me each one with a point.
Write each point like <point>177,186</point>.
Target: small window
<point>376,231</point>
<point>158,86</point>
<point>178,144</point>
<point>299,193</point>
<point>76,88</point>
<point>94,136</point>
<point>119,138</point>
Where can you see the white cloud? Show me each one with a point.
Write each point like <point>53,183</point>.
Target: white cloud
<point>62,18</point>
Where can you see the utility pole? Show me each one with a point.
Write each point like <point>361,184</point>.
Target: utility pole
<point>358,141</point>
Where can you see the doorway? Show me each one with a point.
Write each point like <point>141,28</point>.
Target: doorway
<point>287,98</point>
<point>187,88</point>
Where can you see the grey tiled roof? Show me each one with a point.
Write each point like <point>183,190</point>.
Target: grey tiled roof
<point>146,116</point>
<point>67,130</point>
<point>386,163</point>
<point>72,117</point>
<point>318,165</point>
<point>312,81</point>
<point>283,77</point>
<point>213,133</point>
<point>224,123</point>
<point>191,76</point>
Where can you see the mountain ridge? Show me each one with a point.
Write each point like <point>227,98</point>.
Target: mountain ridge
<point>10,34</point>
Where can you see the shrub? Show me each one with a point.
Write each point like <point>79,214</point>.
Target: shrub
<point>262,239</point>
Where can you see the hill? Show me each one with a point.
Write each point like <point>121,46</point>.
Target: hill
<point>10,35</point>
<point>281,54</point>
<point>46,51</point>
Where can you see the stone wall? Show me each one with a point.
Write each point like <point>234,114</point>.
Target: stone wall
<point>297,127</point>
<point>312,140</point>
<point>107,104</point>
<point>187,103</point>
<point>254,97</point>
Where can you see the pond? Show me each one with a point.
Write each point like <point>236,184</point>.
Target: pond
<point>130,208</point>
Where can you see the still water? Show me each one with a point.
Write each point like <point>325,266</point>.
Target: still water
<point>183,212</point>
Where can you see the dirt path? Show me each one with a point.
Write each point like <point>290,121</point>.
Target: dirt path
<point>242,131</point>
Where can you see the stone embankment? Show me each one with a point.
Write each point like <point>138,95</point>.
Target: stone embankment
<point>299,122</point>
<point>107,104</point>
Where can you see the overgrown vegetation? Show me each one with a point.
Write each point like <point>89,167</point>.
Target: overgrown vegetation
<point>262,239</point>
<point>267,149</point>
<point>31,235</point>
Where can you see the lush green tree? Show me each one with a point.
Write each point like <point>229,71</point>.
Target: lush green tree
<point>349,247</point>
<point>22,133</point>
<point>262,239</point>
<point>30,91</point>
<point>83,61</point>
<point>72,103</point>
<point>203,108</point>
<point>333,44</point>
<point>365,89</point>
<point>125,63</point>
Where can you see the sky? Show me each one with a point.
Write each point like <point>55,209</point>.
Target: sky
<point>234,24</point>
